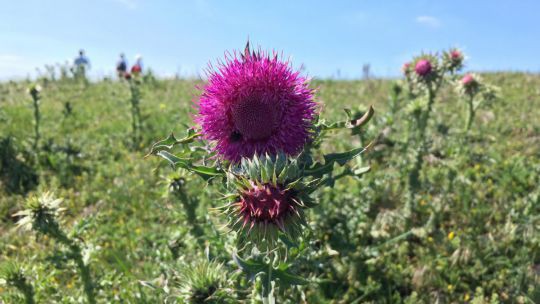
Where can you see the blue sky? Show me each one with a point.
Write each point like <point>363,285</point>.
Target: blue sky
<point>182,37</point>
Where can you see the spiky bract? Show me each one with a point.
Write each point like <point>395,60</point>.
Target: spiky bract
<point>268,200</point>
<point>256,104</point>
<point>204,283</point>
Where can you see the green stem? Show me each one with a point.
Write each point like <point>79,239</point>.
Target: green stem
<point>267,286</point>
<point>83,269</point>
<point>470,116</point>
<point>135,113</point>
<point>414,175</point>
<point>190,208</point>
<point>27,290</point>
<point>37,118</point>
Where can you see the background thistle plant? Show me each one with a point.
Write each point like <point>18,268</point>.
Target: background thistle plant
<point>42,216</point>
<point>475,93</point>
<point>134,82</point>
<point>204,282</point>
<point>12,275</point>
<point>35,92</point>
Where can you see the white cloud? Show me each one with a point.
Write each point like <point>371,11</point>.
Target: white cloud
<point>429,21</point>
<point>129,4</point>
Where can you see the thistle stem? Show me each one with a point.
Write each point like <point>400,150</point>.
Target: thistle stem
<point>191,215</point>
<point>37,118</point>
<point>27,290</point>
<point>76,256</point>
<point>414,174</point>
<point>135,113</point>
<point>471,113</point>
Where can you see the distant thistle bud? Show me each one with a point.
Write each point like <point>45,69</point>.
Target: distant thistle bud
<point>205,282</point>
<point>41,214</point>
<point>34,90</point>
<point>269,197</point>
<point>13,275</point>
<point>470,85</point>
<point>456,55</point>
<point>453,60</point>
<point>468,80</point>
<point>127,76</point>
<point>423,67</point>
<point>405,69</point>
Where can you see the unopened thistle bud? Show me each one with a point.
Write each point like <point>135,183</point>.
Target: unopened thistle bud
<point>467,80</point>
<point>469,85</point>
<point>453,60</point>
<point>405,68</point>
<point>268,199</point>
<point>34,90</point>
<point>41,214</point>
<point>13,275</point>
<point>205,282</point>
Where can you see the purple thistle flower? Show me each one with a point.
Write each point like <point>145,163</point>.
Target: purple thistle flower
<point>467,80</point>
<point>456,55</point>
<point>256,104</point>
<point>405,68</point>
<point>423,67</point>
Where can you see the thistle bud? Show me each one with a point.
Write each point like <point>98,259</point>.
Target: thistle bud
<point>453,60</point>
<point>423,67</point>
<point>204,282</point>
<point>41,214</point>
<point>13,275</point>
<point>34,90</point>
<point>468,80</point>
<point>405,68</point>
<point>269,198</point>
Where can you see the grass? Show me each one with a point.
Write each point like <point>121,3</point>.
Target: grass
<point>483,243</point>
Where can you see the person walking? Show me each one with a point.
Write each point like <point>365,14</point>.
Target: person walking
<point>137,67</point>
<point>121,66</point>
<point>81,65</point>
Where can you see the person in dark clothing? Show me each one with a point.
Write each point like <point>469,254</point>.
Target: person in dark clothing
<point>121,66</point>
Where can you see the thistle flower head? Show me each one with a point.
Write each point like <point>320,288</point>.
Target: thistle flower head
<point>256,104</point>
<point>453,60</point>
<point>204,283</point>
<point>41,214</point>
<point>469,85</point>
<point>467,80</point>
<point>405,68</point>
<point>268,200</point>
<point>456,55</point>
<point>34,90</point>
<point>423,67</point>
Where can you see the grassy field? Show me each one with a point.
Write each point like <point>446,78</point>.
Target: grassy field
<point>475,235</point>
